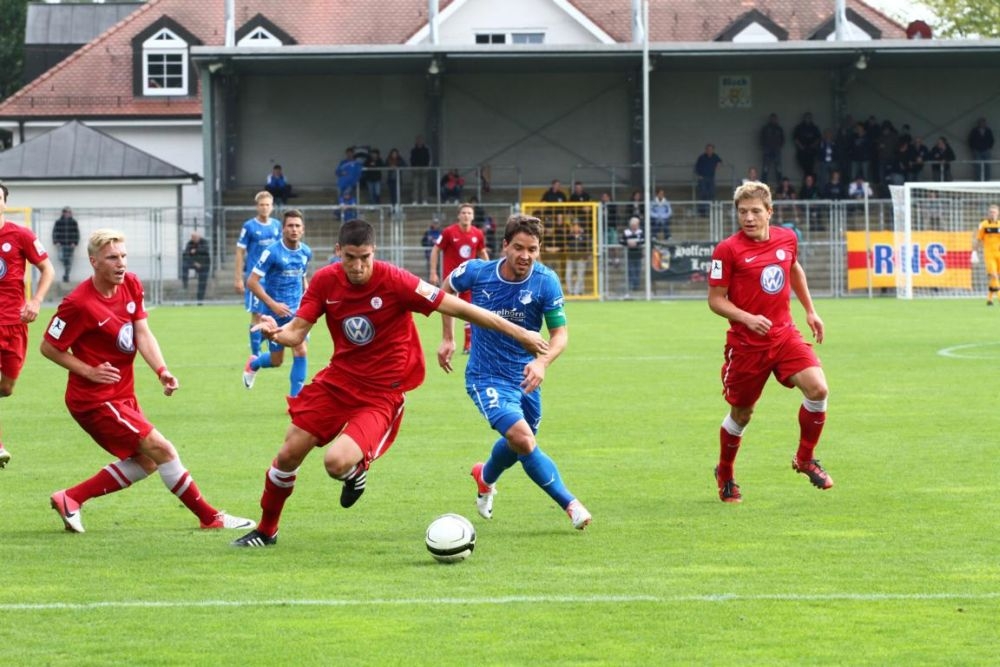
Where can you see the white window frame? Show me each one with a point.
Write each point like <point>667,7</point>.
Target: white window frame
<point>164,49</point>
<point>510,37</point>
<point>259,37</point>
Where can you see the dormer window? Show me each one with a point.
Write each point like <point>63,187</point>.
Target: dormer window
<point>259,37</point>
<point>165,64</point>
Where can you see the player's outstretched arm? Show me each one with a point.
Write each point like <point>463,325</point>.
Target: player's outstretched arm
<point>149,348</point>
<point>290,335</point>
<point>447,347</point>
<point>799,285</point>
<point>31,307</point>
<point>531,341</point>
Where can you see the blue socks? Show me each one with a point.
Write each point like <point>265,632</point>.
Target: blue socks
<point>537,465</point>
<point>256,339</point>
<point>297,377</point>
<point>501,458</point>
<point>263,361</point>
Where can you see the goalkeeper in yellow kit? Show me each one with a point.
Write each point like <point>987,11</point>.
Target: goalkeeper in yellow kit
<point>988,236</point>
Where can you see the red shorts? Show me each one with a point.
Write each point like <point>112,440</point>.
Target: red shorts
<point>325,411</point>
<point>746,369</point>
<point>117,426</point>
<point>13,346</point>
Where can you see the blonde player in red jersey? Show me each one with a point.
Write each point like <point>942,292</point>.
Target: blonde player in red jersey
<point>18,247</point>
<point>459,242</point>
<point>988,238</point>
<point>752,275</point>
<point>95,334</point>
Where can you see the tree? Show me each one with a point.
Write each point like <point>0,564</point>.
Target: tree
<point>965,18</point>
<point>13,14</point>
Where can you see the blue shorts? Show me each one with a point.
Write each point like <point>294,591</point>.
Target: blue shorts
<point>251,302</point>
<point>504,404</point>
<point>282,321</point>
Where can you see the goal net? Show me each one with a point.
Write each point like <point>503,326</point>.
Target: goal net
<point>933,238</point>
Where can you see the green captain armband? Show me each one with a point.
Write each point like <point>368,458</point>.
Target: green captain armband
<point>555,318</point>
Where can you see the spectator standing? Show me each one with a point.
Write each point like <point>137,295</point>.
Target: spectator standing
<point>858,152</point>
<point>941,157</point>
<point>278,186</point>
<point>888,142</point>
<point>920,155</point>
<point>554,194</point>
<point>829,157</point>
<point>579,194</point>
<point>772,142</point>
<point>660,212</point>
<point>704,170</point>
<point>579,248</point>
<point>634,240</point>
<point>198,258</point>
<point>807,137</point>
<point>372,176</point>
<point>348,173</point>
<point>393,163</point>
<point>66,236</point>
<point>859,189</point>
<point>981,145</point>
<point>420,162</point>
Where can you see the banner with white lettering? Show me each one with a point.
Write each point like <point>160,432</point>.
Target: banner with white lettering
<point>685,260</point>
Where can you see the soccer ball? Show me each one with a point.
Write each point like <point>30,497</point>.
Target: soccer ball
<point>451,538</point>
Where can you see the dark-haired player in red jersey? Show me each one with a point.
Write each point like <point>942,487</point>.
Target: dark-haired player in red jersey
<point>356,402</point>
<point>458,242</point>
<point>18,246</point>
<point>95,334</point>
<point>753,273</point>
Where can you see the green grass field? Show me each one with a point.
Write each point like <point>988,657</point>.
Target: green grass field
<point>896,565</point>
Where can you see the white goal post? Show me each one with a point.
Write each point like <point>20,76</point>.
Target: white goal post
<point>934,229</point>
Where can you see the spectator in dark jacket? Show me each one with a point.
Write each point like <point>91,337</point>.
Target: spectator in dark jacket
<point>66,236</point>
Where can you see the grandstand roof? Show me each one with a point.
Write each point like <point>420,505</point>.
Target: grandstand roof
<point>99,80</point>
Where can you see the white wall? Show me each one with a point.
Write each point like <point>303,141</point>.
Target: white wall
<point>512,15</point>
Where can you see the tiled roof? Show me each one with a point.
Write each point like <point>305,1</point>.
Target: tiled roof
<point>75,151</point>
<point>97,80</point>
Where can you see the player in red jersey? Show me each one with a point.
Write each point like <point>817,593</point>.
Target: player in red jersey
<point>356,402</point>
<point>95,334</point>
<point>753,273</point>
<point>18,245</point>
<point>457,243</point>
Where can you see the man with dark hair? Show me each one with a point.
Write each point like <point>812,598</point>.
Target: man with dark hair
<point>502,380</point>
<point>354,405</point>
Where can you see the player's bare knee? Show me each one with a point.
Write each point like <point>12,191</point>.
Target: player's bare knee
<point>158,448</point>
<point>741,415</point>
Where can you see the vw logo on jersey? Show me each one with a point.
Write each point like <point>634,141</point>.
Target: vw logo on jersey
<point>465,251</point>
<point>126,339</point>
<point>358,330</point>
<point>3,267</point>
<point>772,279</point>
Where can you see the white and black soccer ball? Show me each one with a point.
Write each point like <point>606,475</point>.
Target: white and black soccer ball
<point>451,538</point>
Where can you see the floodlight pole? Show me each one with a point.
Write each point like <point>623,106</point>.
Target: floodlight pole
<point>648,246</point>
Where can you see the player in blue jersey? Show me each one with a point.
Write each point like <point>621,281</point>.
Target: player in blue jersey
<point>279,281</point>
<point>257,234</point>
<point>502,379</point>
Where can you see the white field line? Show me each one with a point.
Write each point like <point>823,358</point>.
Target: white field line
<point>970,351</point>
<point>514,599</point>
